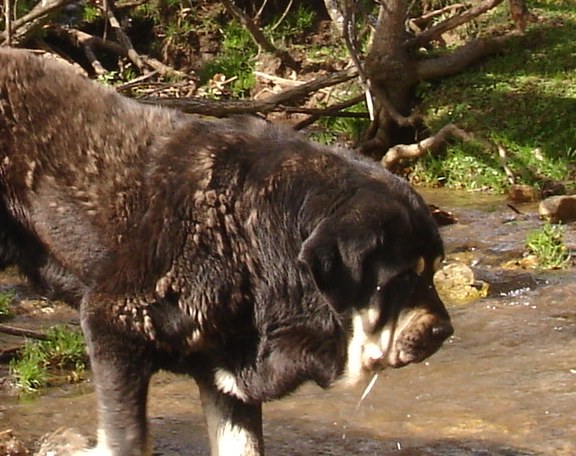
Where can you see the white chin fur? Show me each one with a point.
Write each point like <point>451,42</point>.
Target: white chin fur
<point>364,349</point>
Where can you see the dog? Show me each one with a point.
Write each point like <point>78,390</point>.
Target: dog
<point>233,251</point>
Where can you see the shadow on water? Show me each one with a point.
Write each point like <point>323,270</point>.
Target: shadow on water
<point>504,384</point>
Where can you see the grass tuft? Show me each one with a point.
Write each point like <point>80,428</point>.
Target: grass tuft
<point>547,245</point>
<point>43,361</point>
<point>6,300</point>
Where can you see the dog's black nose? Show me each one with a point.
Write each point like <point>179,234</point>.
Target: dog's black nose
<point>442,330</point>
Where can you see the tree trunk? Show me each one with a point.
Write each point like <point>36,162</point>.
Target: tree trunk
<point>392,76</point>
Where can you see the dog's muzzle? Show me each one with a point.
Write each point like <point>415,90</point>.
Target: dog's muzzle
<point>417,337</point>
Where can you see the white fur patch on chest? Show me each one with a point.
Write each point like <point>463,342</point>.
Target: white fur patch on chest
<point>365,349</point>
<point>225,382</point>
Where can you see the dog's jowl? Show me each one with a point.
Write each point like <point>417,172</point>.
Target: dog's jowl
<point>230,250</point>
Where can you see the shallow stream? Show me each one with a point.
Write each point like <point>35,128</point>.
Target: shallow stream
<point>504,384</point>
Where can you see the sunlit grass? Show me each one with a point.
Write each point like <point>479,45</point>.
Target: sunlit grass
<point>523,100</point>
<point>63,354</point>
<point>6,299</point>
<point>547,245</point>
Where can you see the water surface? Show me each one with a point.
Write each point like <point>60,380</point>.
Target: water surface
<point>504,384</point>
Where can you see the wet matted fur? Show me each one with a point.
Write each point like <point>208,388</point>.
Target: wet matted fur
<point>231,250</point>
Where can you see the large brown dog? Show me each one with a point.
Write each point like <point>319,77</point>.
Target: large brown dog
<point>231,250</point>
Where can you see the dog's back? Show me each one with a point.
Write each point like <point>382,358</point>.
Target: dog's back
<point>71,146</point>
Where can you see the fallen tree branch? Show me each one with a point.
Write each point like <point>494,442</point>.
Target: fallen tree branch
<point>224,108</point>
<point>123,39</point>
<point>83,40</point>
<point>35,18</point>
<point>431,144</point>
<point>333,111</point>
<point>13,331</point>
<point>9,353</point>
<point>437,142</point>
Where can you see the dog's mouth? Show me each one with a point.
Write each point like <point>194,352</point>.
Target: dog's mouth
<point>414,336</point>
<point>412,339</point>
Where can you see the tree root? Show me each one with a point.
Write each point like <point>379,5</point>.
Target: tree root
<point>434,144</point>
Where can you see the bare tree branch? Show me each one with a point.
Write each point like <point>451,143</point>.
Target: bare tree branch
<point>451,23</point>
<point>520,14</point>
<point>8,21</point>
<point>282,16</point>
<point>122,37</point>
<point>431,144</point>
<point>13,331</point>
<point>36,17</point>
<point>432,14</point>
<point>337,17</point>
<point>259,37</point>
<point>437,142</point>
<point>83,40</point>
<point>333,111</point>
<point>219,108</point>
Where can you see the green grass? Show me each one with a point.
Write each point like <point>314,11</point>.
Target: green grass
<point>523,100</point>
<point>294,24</point>
<point>6,299</point>
<point>41,361</point>
<point>341,130</point>
<point>235,59</point>
<point>547,245</point>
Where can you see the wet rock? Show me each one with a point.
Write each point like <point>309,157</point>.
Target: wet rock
<point>526,262</point>
<point>519,193</point>
<point>559,209</point>
<point>64,442</point>
<point>442,217</point>
<point>457,285</point>
<point>506,282</point>
<point>10,445</point>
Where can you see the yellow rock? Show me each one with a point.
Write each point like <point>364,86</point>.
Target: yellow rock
<point>456,285</point>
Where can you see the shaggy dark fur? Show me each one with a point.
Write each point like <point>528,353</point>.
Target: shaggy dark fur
<point>195,245</point>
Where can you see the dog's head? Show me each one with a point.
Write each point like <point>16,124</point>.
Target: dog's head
<point>374,259</point>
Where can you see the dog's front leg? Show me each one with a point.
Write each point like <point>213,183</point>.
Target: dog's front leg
<point>234,427</point>
<point>122,372</point>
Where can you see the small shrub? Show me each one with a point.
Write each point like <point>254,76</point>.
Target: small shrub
<point>29,371</point>
<point>64,350</point>
<point>547,245</point>
<point>6,299</point>
<point>90,13</point>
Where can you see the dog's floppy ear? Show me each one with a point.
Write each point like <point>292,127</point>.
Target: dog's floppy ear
<point>335,255</point>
